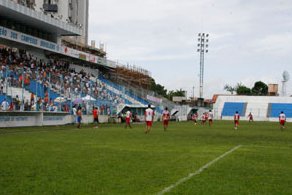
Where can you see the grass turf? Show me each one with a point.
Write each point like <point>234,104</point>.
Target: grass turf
<point>114,160</point>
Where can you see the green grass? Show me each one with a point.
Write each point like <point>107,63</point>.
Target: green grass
<point>114,160</point>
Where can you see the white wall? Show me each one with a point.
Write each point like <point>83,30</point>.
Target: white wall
<point>258,105</point>
<point>78,13</point>
<point>22,119</point>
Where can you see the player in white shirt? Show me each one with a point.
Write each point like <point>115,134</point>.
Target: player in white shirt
<point>203,118</point>
<point>165,118</point>
<point>210,118</point>
<point>128,119</point>
<point>236,120</point>
<point>282,120</point>
<point>195,117</point>
<point>149,116</point>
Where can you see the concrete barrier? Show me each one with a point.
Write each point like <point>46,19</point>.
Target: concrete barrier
<point>22,119</point>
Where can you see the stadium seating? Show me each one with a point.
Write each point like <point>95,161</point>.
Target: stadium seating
<point>63,81</point>
<point>276,108</point>
<point>129,97</point>
<point>230,108</point>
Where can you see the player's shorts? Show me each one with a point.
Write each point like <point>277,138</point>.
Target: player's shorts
<point>95,120</point>
<point>282,122</point>
<point>210,120</point>
<point>236,122</point>
<point>149,123</point>
<point>165,122</point>
<point>79,119</point>
<point>128,120</point>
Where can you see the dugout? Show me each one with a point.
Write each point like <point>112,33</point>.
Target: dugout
<point>137,112</point>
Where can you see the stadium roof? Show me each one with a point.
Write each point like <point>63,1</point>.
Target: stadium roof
<point>36,19</point>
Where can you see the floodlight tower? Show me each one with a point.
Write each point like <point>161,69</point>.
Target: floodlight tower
<point>203,40</point>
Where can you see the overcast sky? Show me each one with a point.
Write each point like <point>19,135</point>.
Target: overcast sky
<point>250,40</point>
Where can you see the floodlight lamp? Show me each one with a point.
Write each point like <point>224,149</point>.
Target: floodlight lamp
<point>206,45</point>
<point>198,50</point>
<point>199,34</point>
<point>206,50</point>
<point>207,35</point>
<point>207,40</point>
<point>203,34</point>
<point>199,39</point>
<point>199,45</point>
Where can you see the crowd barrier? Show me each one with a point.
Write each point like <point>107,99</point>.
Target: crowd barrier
<point>26,119</point>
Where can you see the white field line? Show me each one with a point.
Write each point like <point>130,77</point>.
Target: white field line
<point>169,188</point>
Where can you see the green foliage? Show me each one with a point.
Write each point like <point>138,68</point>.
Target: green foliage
<point>242,90</point>
<point>260,88</point>
<point>114,160</point>
<point>158,89</point>
<point>229,88</point>
<point>180,93</point>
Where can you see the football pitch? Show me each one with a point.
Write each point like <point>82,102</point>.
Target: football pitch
<point>185,159</point>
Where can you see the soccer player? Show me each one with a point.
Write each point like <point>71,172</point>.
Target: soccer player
<point>165,118</point>
<point>250,117</point>
<point>95,114</point>
<point>149,117</point>
<point>210,118</point>
<point>236,119</point>
<point>203,118</point>
<point>128,119</point>
<point>79,116</point>
<point>282,120</point>
<point>195,117</point>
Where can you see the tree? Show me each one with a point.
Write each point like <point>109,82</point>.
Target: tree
<point>260,88</point>
<point>242,90</point>
<point>229,88</point>
<point>158,89</point>
<point>172,93</point>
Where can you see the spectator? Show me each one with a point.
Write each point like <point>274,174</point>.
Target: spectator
<point>11,106</point>
<point>17,103</point>
<point>4,105</point>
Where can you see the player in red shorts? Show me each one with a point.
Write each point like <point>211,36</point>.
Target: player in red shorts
<point>282,120</point>
<point>210,118</point>
<point>149,117</point>
<point>165,118</point>
<point>95,114</point>
<point>195,117</point>
<point>250,117</point>
<point>204,118</point>
<point>128,119</point>
<point>236,120</point>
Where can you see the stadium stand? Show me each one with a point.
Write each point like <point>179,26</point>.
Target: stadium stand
<point>48,79</point>
<point>276,108</point>
<point>263,108</point>
<point>47,65</point>
<point>231,107</point>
